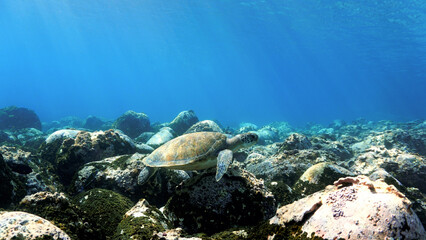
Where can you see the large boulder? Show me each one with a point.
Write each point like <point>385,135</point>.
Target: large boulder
<point>204,126</point>
<point>22,225</point>
<point>120,174</point>
<point>61,211</point>
<point>336,213</point>
<point>164,135</point>
<point>318,177</point>
<point>296,141</point>
<point>201,204</point>
<point>68,150</point>
<point>18,118</point>
<point>95,123</point>
<point>183,121</point>
<point>104,209</point>
<point>132,123</point>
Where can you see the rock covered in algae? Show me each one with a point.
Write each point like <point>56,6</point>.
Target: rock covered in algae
<point>104,209</point>
<point>69,150</point>
<point>22,225</point>
<point>120,174</point>
<point>201,204</point>
<point>18,117</point>
<point>354,208</point>
<point>318,177</point>
<point>12,189</point>
<point>409,169</point>
<point>59,209</point>
<point>296,141</point>
<point>183,121</point>
<point>132,123</point>
<point>204,126</point>
<point>142,221</point>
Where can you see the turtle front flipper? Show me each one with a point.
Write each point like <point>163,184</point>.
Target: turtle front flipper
<point>145,174</point>
<point>224,159</point>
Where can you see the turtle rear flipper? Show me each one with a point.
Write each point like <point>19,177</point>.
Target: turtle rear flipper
<point>224,159</point>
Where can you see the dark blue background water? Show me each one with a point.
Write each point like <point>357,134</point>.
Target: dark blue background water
<point>256,61</point>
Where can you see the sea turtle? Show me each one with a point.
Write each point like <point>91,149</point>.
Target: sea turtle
<point>196,151</point>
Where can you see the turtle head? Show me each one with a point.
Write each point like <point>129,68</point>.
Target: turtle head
<point>244,140</point>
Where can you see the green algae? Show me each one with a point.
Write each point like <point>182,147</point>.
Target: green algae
<point>139,228</point>
<point>62,214</point>
<point>103,208</point>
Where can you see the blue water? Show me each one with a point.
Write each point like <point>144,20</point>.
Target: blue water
<point>256,61</point>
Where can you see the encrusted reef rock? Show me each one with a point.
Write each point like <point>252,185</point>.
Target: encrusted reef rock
<point>68,150</point>
<point>296,141</point>
<point>408,168</point>
<point>132,123</point>
<point>120,174</point>
<point>164,135</point>
<point>354,208</point>
<point>142,221</point>
<point>17,118</point>
<point>201,204</point>
<point>17,159</point>
<point>183,121</point>
<point>22,225</point>
<point>104,209</point>
<point>11,186</point>
<point>318,177</point>
<point>204,126</point>
<point>59,209</point>
<point>31,170</point>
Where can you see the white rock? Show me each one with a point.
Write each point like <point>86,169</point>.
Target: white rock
<point>27,226</point>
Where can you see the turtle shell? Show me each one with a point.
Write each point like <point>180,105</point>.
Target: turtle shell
<point>191,151</point>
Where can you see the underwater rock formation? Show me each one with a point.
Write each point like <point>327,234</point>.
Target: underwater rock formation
<point>409,169</point>
<point>132,123</point>
<point>201,204</point>
<point>296,141</point>
<point>34,174</point>
<point>17,159</point>
<point>204,126</point>
<point>120,174</point>
<point>336,213</point>
<point>183,121</point>
<point>318,177</point>
<point>104,209</point>
<point>59,209</point>
<point>22,225</point>
<point>15,118</point>
<point>94,123</point>
<point>142,221</point>
<point>164,135</point>
<point>68,150</point>
<point>12,187</point>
